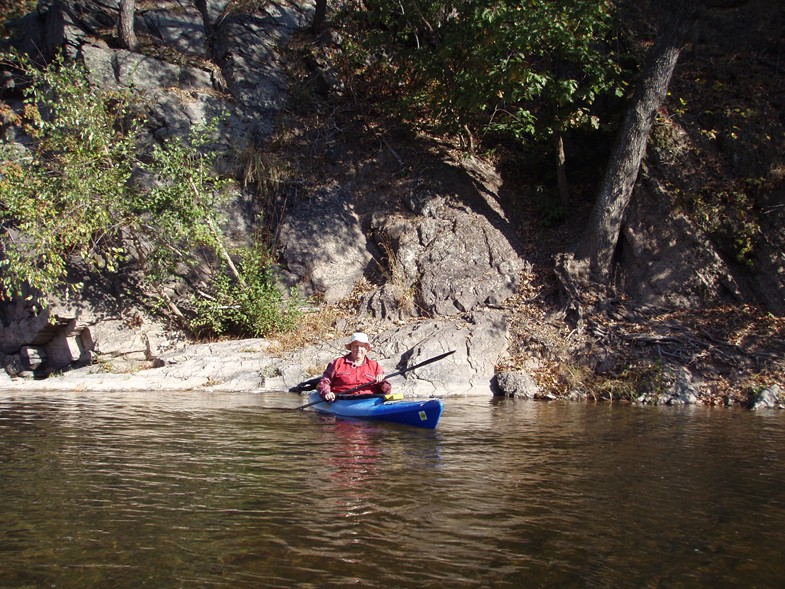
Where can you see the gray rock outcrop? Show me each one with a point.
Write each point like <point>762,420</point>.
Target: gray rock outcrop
<point>772,397</point>
<point>324,246</point>
<point>451,260</point>
<point>252,365</point>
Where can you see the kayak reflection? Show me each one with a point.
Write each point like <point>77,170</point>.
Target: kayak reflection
<point>354,464</point>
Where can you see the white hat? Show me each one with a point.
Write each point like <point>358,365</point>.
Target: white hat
<point>359,336</point>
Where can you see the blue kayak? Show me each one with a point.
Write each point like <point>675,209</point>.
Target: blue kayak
<point>416,413</point>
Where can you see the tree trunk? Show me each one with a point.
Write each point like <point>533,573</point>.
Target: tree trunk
<point>209,27</point>
<point>561,172</point>
<point>125,26</point>
<point>219,242</point>
<point>600,238</point>
<point>319,16</point>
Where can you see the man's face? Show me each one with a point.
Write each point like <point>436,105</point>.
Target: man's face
<point>358,352</point>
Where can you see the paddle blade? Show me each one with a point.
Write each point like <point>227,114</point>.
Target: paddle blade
<point>306,385</point>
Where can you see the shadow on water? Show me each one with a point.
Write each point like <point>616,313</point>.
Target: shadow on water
<point>222,490</point>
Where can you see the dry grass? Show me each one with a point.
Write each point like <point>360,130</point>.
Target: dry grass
<point>261,169</point>
<point>575,376</point>
<point>317,325</point>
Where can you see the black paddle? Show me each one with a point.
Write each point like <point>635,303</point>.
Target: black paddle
<point>344,397</point>
<point>362,386</point>
<point>306,385</point>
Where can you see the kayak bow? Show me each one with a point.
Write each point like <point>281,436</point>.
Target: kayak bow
<point>423,414</point>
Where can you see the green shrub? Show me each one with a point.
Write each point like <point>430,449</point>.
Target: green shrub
<point>70,198</point>
<point>68,195</point>
<point>730,218</point>
<point>254,304</point>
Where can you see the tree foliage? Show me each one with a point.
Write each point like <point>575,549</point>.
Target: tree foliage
<point>181,207</point>
<point>71,195</point>
<point>528,68</point>
<point>254,306</point>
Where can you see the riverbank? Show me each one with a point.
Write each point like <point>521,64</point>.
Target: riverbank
<point>440,249</point>
<point>544,362</point>
<point>624,351</point>
<point>263,365</point>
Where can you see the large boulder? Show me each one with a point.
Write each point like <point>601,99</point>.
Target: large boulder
<point>478,341</point>
<point>324,246</point>
<point>440,250</point>
<point>452,257</point>
<point>772,397</point>
<point>518,383</point>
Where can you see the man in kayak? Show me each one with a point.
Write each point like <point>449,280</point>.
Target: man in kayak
<point>352,370</point>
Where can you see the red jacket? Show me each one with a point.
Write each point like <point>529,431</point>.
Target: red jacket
<point>342,375</point>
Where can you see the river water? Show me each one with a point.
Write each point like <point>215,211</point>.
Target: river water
<point>197,490</point>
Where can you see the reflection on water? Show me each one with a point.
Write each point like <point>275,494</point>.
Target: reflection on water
<point>219,490</point>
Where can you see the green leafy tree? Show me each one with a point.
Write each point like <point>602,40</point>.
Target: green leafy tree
<point>530,69</point>
<point>70,197</point>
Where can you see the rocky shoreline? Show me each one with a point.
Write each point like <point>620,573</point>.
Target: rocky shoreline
<point>258,366</point>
